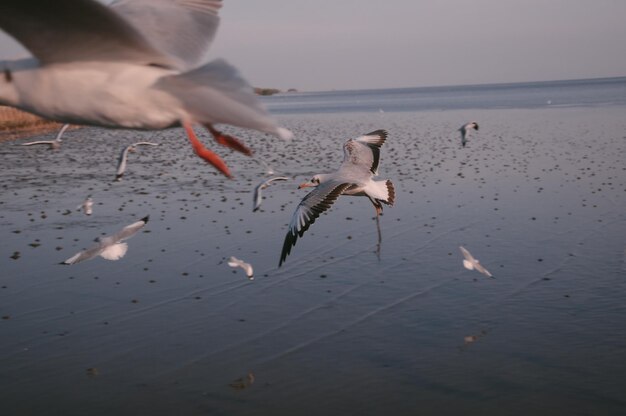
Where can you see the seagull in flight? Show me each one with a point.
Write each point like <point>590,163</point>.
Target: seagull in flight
<point>258,197</point>
<point>121,161</point>
<point>354,177</point>
<point>470,263</point>
<point>465,129</point>
<point>247,267</point>
<point>135,64</point>
<point>53,144</point>
<point>109,247</point>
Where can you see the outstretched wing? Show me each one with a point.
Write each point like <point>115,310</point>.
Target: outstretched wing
<point>90,253</point>
<point>468,256</point>
<point>364,152</point>
<point>313,204</point>
<point>130,230</point>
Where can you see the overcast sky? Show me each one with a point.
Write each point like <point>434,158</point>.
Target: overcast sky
<point>351,44</point>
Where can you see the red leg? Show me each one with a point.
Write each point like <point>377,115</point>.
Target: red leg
<point>228,141</point>
<point>205,153</point>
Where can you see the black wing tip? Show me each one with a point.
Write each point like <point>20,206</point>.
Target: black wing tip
<point>64,263</point>
<point>290,241</point>
<point>380,133</point>
<point>391,190</point>
<point>145,219</point>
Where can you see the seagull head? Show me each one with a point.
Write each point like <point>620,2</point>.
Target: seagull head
<point>313,182</point>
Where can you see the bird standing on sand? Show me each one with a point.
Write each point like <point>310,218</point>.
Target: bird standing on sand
<point>465,129</point>
<point>354,177</point>
<point>136,64</point>
<point>109,247</point>
<point>121,161</point>
<point>54,144</point>
<point>470,263</point>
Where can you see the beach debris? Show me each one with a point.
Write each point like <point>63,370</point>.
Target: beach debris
<point>153,55</point>
<point>53,144</point>
<point>354,177</point>
<point>247,267</point>
<point>465,130</point>
<point>92,372</point>
<point>86,206</point>
<point>258,197</point>
<point>242,383</point>
<point>109,247</point>
<point>471,263</point>
<point>121,161</point>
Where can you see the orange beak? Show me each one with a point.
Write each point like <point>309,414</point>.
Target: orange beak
<point>305,185</point>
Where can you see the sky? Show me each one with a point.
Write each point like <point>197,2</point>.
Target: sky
<point>354,44</point>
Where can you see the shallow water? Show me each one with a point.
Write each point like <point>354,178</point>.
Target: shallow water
<point>538,196</point>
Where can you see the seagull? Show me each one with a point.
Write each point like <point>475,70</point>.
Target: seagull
<point>86,206</point>
<point>121,161</point>
<point>258,198</point>
<point>54,144</point>
<point>354,177</point>
<point>465,129</point>
<point>471,263</point>
<point>135,64</point>
<point>109,247</point>
<point>247,267</point>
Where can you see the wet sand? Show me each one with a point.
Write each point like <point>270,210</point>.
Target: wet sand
<point>537,195</point>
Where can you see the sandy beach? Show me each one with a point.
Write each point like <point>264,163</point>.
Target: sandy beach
<point>537,195</point>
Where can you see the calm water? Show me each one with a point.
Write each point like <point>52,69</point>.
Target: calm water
<point>587,93</point>
<point>538,196</point>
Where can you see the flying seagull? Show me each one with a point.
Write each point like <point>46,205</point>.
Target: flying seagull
<point>121,161</point>
<point>109,247</point>
<point>53,144</point>
<point>247,267</point>
<point>471,263</point>
<point>354,177</point>
<point>258,197</point>
<point>465,129</point>
<point>135,64</point>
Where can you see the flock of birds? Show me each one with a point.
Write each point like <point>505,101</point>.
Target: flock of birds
<point>148,78</point>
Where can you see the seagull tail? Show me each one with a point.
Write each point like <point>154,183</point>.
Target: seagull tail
<point>384,192</point>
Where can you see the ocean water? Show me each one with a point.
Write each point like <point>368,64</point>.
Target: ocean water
<point>538,196</point>
<point>549,94</point>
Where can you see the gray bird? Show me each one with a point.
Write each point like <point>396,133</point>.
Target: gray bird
<point>121,161</point>
<point>471,263</point>
<point>465,129</point>
<point>54,144</point>
<point>258,197</point>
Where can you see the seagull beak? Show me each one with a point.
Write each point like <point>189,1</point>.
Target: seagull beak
<point>305,185</point>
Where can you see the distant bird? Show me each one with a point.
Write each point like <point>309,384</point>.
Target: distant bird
<point>121,161</point>
<point>354,177</point>
<point>86,206</point>
<point>110,247</point>
<point>258,198</point>
<point>465,129</point>
<point>54,144</point>
<point>135,65</point>
<point>471,263</point>
<point>247,267</point>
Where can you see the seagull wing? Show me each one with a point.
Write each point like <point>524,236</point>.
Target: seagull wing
<point>121,163</point>
<point>247,267</point>
<point>258,194</point>
<point>144,144</point>
<point>468,256</point>
<point>313,204</point>
<point>481,269</point>
<point>62,31</point>
<point>114,251</point>
<point>48,142</point>
<point>90,253</point>
<point>364,151</point>
<point>130,230</point>
<point>60,133</point>
<point>194,24</point>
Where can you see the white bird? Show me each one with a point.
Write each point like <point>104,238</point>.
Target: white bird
<point>471,263</point>
<point>86,206</point>
<point>247,267</point>
<point>54,144</point>
<point>121,161</point>
<point>138,64</point>
<point>465,129</point>
<point>258,197</point>
<point>109,247</point>
<point>354,177</point>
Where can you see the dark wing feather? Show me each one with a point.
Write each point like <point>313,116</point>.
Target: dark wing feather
<point>313,204</point>
<point>356,153</point>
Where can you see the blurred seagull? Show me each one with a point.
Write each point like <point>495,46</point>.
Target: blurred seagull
<point>465,129</point>
<point>121,162</point>
<point>137,64</point>
<point>258,198</point>
<point>86,206</point>
<point>247,267</point>
<point>54,144</point>
<point>354,177</point>
<point>471,263</point>
<point>109,247</point>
